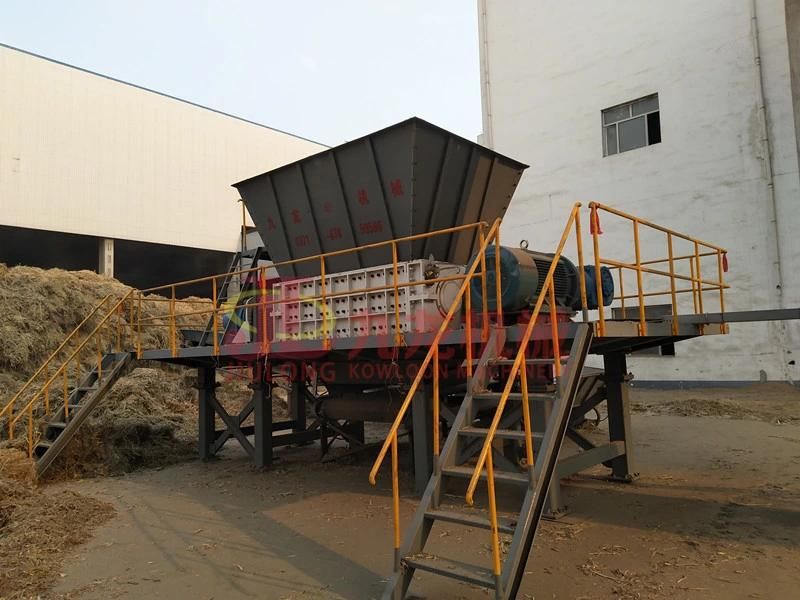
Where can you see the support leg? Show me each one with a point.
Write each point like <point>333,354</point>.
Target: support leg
<point>262,414</point>
<point>297,406</point>
<point>555,501</point>
<point>206,382</point>
<point>540,416</point>
<point>323,436</point>
<point>619,414</point>
<point>357,431</point>
<point>422,425</point>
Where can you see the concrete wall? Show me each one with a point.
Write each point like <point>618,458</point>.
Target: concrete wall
<point>549,69</point>
<point>85,154</point>
<point>793,35</point>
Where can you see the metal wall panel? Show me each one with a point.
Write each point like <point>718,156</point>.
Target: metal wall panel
<point>454,173</point>
<point>430,150</point>
<point>410,178</point>
<point>328,203</point>
<point>268,216</point>
<point>85,154</point>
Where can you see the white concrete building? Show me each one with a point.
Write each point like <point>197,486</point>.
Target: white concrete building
<point>719,161</point>
<point>85,159</point>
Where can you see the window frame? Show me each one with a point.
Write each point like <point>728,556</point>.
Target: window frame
<point>605,127</point>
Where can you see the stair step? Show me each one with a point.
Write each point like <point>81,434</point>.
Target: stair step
<point>513,396</point>
<point>505,434</point>
<point>86,388</point>
<point>450,568</point>
<point>43,443</point>
<point>503,525</point>
<point>56,424</point>
<point>499,476</point>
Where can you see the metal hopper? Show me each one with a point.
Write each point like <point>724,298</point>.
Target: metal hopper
<point>410,178</point>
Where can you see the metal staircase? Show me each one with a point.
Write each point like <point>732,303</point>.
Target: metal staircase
<point>491,411</point>
<point>455,462</point>
<point>56,400</point>
<point>82,400</point>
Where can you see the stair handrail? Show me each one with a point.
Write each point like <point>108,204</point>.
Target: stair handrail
<point>492,236</point>
<point>434,344</point>
<point>9,407</point>
<point>546,291</point>
<point>485,456</point>
<point>28,408</point>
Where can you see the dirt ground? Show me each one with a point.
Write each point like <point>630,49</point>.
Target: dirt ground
<point>714,514</point>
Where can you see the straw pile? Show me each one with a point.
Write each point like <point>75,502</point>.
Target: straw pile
<point>41,307</point>
<point>148,417</point>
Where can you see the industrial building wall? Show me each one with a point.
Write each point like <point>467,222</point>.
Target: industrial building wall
<point>85,154</point>
<point>550,68</point>
<point>793,31</point>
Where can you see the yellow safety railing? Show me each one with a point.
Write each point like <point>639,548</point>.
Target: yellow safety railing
<point>690,260</point>
<point>104,337</point>
<point>261,299</point>
<point>8,409</point>
<point>432,360</point>
<point>518,369</point>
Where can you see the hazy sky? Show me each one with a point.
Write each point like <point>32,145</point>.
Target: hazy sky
<point>327,70</point>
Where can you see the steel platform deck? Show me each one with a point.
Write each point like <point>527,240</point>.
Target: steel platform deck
<point>620,336</point>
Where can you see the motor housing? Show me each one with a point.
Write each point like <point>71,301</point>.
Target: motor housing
<point>522,273</point>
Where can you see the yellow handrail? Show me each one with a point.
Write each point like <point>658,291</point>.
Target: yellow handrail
<point>547,289</point>
<point>434,344</point>
<point>391,438</point>
<point>652,225</point>
<point>394,286</point>
<point>409,238</point>
<point>640,267</point>
<point>248,303</point>
<point>9,407</point>
<point>518,367</point>
<point>28,408</point>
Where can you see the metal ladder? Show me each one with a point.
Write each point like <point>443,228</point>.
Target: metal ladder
<point>81,401</point>
<point>248,283</point>
<point>453,463</point>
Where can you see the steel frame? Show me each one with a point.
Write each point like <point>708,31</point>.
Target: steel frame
<point>263,430</point>
<point>616,454</point>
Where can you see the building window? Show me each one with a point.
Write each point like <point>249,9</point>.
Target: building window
<point>631,125</point>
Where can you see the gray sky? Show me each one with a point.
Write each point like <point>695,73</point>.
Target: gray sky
<point>327,70</point>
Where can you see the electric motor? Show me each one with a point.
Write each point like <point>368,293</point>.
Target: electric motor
<point>522,274</point>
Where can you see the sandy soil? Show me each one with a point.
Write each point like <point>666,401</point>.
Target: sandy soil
<point>771,402</point>
<point>715,514</point>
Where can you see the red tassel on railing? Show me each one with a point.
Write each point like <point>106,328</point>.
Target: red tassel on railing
<point>594,222</point>
<point>725,262</point>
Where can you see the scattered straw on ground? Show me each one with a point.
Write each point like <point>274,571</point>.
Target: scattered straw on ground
<point>37,528</point>
<point>148,419</point>
<point>15,465</point>
<point>770,402</point>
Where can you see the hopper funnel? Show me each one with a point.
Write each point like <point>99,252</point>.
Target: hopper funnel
<point>410,178</point>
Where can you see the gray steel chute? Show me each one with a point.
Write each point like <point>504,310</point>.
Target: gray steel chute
<point>407,179</point>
